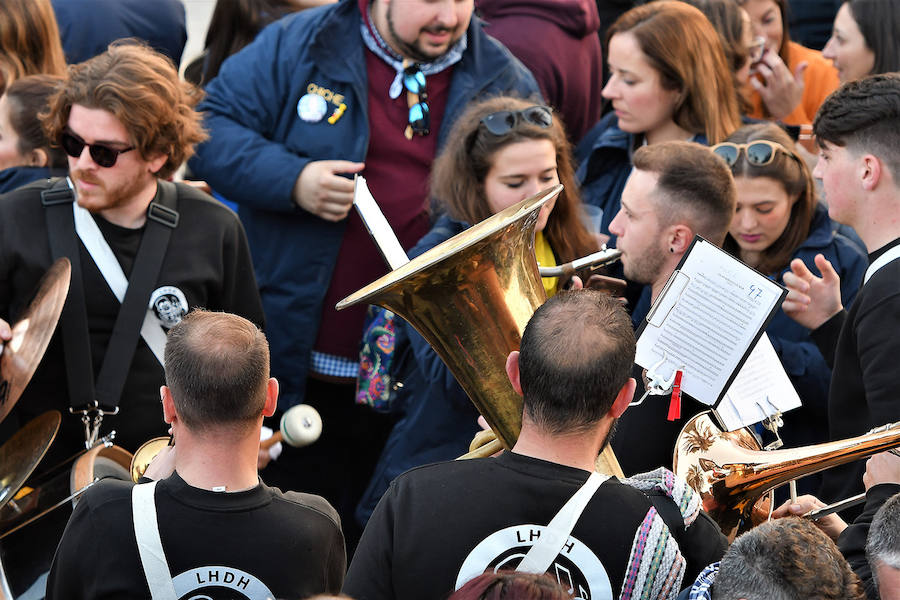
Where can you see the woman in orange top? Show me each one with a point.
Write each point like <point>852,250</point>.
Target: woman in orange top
<point>790,81</point>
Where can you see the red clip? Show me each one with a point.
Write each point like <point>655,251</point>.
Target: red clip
<point>675,402</point>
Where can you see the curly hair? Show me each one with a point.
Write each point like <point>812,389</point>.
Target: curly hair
<point>29,41</point>
<point>141,88</point>
<point>458,174</point>
<point>792,173</point>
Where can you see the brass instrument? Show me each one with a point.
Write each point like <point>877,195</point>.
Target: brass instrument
<point>470,298</point>
<point>145,454</point>
<point>731,472</point>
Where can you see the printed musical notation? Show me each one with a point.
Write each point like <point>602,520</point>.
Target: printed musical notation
<point>707,319</point>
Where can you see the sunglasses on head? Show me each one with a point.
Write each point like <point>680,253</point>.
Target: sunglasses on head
<point>759,153</point>
<point>414,82</point>
<point>103,155</point>
<point>502,122</point>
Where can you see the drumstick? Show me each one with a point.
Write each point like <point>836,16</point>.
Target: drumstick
<point>300,426</point>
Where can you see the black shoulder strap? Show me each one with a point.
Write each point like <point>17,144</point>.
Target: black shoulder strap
<point>57,201</point>
<point>162,218</point>
<point>669,512</point>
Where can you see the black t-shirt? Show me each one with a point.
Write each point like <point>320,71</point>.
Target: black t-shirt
<point>256,544</point>
<point>439,525</point>
<point>207,259</point>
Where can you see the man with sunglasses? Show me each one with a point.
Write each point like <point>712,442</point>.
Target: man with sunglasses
<point>542,507</point>
<point>859,164</point>
<point>144,251</point>
<point>370,87</point>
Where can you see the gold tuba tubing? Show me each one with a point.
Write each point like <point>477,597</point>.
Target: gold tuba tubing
<point>731,472</point>
<point>470,298</point>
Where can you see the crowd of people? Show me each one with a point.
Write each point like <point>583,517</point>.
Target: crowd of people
<point>663,121</point>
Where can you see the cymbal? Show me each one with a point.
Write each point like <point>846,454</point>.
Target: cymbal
<point>21,453</point>
<point>31,335</point>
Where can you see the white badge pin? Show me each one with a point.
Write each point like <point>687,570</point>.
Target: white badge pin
<point>312,108</point>
<point>169,304</point>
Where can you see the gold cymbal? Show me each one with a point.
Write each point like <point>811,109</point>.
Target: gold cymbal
<point>31,334</point>
<point>21,453</point>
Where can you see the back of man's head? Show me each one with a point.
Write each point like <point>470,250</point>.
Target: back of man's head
<point>576,354</point>
<point>786,559</point>
<point>883,545</point>
<point>217,367</point>
<point>141,88</point>
<point>694,187</point>
<point>863,116</point>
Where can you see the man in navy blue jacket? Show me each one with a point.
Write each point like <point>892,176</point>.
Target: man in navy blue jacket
<point>354,87</point>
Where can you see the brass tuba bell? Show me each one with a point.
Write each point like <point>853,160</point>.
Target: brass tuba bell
<point>470,298</point>
<point>731,472</point>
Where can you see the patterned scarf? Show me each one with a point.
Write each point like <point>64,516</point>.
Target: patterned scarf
<point>379,47</point>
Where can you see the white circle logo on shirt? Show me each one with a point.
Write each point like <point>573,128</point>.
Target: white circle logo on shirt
<point>169,305</point>
<point>576,567</point>
<point>219,582</point>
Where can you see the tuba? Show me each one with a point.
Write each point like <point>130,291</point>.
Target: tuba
<point>470,298</point>
<point>731,472</point>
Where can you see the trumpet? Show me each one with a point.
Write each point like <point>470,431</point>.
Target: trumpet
<point>731,472</point>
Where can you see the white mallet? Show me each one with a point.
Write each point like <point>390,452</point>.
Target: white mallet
<point>300,426</point>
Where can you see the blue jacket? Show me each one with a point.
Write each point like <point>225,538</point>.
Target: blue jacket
<point>259,145</point>
<point>604,164</point>
<point>438,419</point>
<point>16,177</point>
<point>87,27</point>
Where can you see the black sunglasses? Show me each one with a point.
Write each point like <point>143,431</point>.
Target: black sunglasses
<point>502,122</point>
<point>101,154</point>
<point>414,82</point>
<point>759,153</point>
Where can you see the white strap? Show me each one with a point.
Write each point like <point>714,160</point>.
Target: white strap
<point>557,532</point>
<point>892,254</point>
<point>106,261</point>
<point>146,531</point>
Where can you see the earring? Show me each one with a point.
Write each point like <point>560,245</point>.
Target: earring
<point>671,250</point>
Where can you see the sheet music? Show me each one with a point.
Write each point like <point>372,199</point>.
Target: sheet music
<point>379,228</point>
<point>760,389</point>
<point>707,317</point>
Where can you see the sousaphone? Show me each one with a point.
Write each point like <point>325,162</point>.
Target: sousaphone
<point>470,298</point>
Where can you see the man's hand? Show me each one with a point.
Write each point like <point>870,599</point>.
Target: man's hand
<point>162,465</point>
<point>882,468</point>
<point>781,91</point>
<point>831,524</point>
<point>321,190</point>
<point>812,300</point>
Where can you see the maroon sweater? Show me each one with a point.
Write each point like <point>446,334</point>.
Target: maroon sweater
<point>397,172</point>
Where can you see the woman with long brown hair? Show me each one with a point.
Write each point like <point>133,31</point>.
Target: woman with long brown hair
<point>778,219</point>
<point>669,80</point>
<point>500,151</point>
<point>29,41</point>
